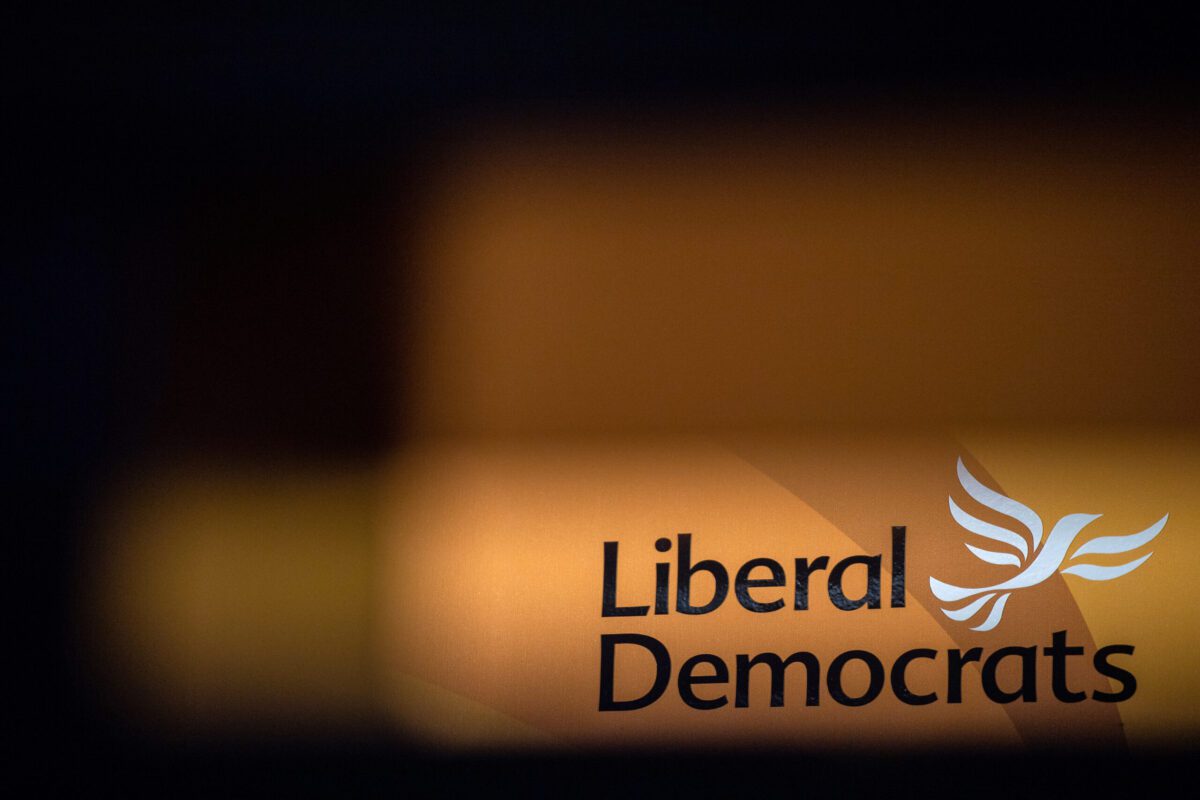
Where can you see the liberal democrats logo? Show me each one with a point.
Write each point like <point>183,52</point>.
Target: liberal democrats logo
<point>1036,560</point>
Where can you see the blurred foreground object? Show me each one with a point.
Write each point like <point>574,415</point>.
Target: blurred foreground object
<point>779,342</point>
<point>238,600</point>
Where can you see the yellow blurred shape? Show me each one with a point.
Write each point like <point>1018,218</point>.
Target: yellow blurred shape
<point>238,597</point>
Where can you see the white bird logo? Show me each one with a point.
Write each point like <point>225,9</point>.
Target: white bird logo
<point>1037,560</point>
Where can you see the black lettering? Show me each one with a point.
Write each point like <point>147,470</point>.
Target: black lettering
<point>662,590</point>
<point>686,570</point>
<point>834,678</point>
<point>609,607</point>
<point>1058,653</point>
<point>1128,681</point>
<point>662,579</point>
<point>803,570</point>
<point>838,595</point>
<point>1027,691</point>
<point>958,659</point>
<point>662,662</point>
<point>687,680</point>
<point>777,665</point>
<point>900,683</point>
<point>898,552</point>
<point>744,583</point>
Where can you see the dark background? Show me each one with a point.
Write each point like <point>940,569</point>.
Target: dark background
<point>205,208</point>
